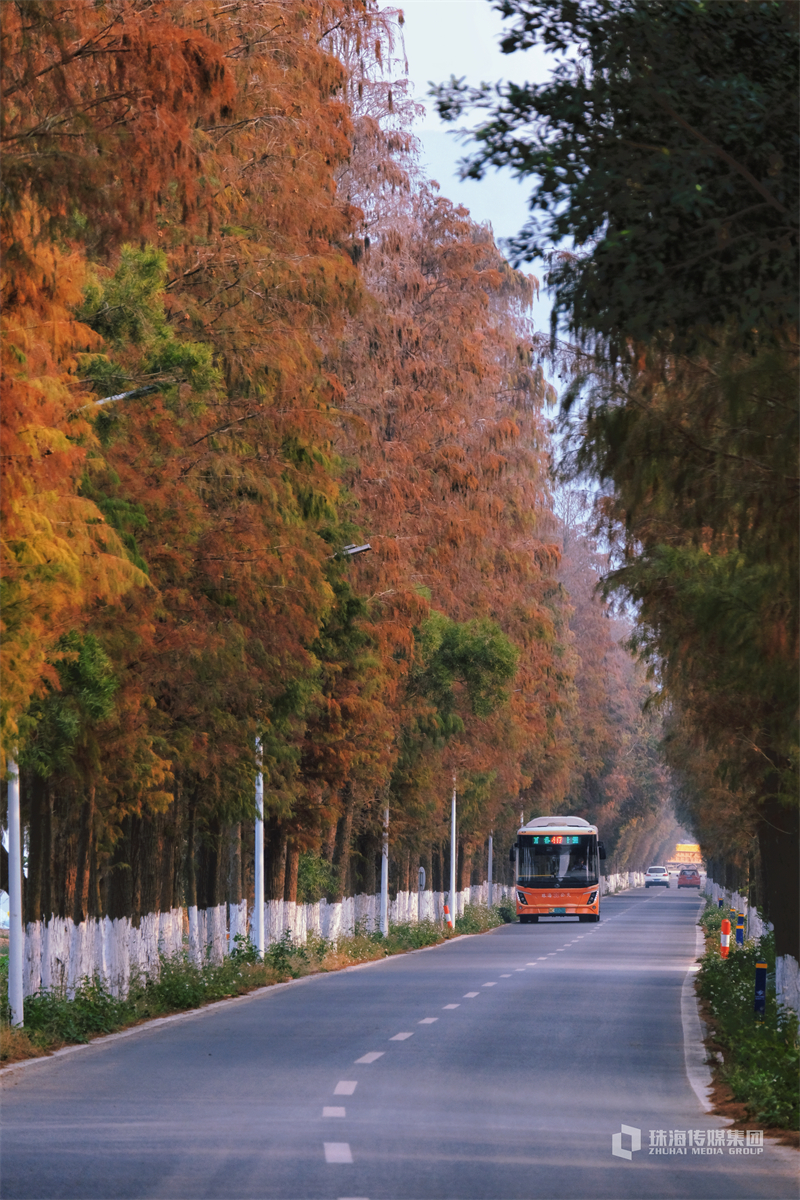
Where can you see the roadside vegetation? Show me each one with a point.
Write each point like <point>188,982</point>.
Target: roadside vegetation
<point>53,1020</point>
<point>758,1062</point>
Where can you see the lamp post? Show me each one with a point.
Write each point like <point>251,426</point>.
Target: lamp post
<point>15,935</point>
<point>385,874</point>
<point>258,924</point>
<point>453,913</point>
<point>489,870</point>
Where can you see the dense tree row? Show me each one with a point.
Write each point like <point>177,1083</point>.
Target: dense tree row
<point>665,152</point>
<point>241,334</point>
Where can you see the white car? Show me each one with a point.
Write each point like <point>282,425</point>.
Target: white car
<point>656,877</point>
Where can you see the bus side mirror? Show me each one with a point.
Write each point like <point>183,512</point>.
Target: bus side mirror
<point>601,850</point>
<point>511,853</point>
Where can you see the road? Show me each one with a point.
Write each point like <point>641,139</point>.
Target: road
<point>497,1066</point>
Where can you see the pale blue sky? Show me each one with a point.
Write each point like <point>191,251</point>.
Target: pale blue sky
<point>461,38</point>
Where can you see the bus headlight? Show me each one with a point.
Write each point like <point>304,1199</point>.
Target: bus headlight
<point>592,898</point>
<point>523,899</point>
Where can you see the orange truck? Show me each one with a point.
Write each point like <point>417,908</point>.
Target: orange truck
<point>557,869</point>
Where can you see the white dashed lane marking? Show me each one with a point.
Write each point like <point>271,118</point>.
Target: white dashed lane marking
<point>452,1006</point>
<point>400,1037</point>
<point>470,995</point>
<point>518,969</point>
<point>427,1020</point>
<point>371,1057</point>
<point>337,1152</point>
<point>505,976</point>
<point>345,1087</point>
<point>491,984</point>
<point>332,1110</point>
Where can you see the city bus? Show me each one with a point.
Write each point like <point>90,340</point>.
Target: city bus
<point>557,869</point>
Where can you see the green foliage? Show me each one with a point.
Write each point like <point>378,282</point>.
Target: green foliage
<point>476,654</point>
<point>477,918</point>
<point>60,723</point>
<point>762,1060</point>
<point>315,878</point>
<point>665,150</point>
<point>286,957</point>
<point>507,911</point>
<point>50,1016</point>
<point>128,310</point>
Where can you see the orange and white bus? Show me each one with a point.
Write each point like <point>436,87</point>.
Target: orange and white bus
<point>557,863</point>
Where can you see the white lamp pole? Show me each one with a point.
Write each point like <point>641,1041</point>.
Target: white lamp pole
<point>489,871</point>
<point>453,913</point>
<point>385,874</point>
<point>258,924</point>
<point>15,935</point>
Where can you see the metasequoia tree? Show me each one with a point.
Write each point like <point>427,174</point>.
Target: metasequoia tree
<point>272,339</point>
<point>219,480</point>
<point>666,153</point>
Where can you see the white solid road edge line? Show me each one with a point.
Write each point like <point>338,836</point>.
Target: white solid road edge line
<point>698,1071</point>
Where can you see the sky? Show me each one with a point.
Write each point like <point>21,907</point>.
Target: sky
<point>461,38</point>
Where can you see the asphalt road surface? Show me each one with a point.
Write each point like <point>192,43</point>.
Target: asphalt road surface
<point>498,1066</point>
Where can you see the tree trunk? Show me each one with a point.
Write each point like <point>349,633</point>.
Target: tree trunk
<point>64,857</point>
<point>461,862</point>
<point>292,865</point>
<point>38,848</point>
<point>191,866</point>
<point>275,854</point>
<point>234,882</point>
<point>120,885</point>
<point>779,852</point>
<point>341,849</point>
<point>82,860</point>
<point>436,871</point>
<point>368,856</point>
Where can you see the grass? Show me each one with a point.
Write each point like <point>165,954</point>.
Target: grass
<point>52,1020</point>
<point>761,1061</point>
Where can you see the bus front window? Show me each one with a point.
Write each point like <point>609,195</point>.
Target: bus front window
<point>557,860</point>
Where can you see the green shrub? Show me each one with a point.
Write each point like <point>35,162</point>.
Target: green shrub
<point>762,1059</point>
<point>507,911</point>
<point>51,1017</point>
<point>315,878</point>
<point>477,918</point>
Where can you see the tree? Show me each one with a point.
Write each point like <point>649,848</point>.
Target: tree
<point>663,150</point>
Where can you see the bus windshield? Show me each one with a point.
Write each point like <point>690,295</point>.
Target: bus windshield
<point>564,860</point>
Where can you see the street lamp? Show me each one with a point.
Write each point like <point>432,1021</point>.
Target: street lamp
<point>258,924</point>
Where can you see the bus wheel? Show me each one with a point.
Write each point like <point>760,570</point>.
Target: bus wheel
<point>528,919</point>
<point>588,917</point>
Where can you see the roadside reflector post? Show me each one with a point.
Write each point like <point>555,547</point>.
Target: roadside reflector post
<point>760,1003</point>
<point>720,903</point>
<point>420,890</point>
<point>448,920</point>
<point>725,938</point>
<point>740,929</point>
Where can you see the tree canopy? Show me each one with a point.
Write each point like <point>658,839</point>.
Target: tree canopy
<point>663,153</point>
